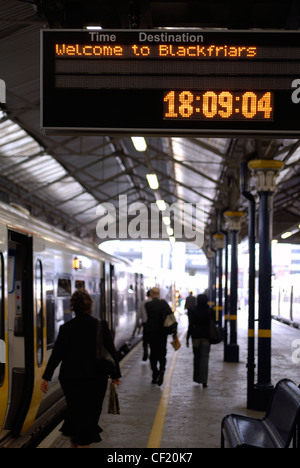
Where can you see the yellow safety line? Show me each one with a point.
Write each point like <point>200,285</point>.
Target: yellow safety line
<point>159,421</point>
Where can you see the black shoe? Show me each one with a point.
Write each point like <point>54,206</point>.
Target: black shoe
<point>205,385</point>
<point>155,377</point>
<point>160,379</point>
<point>145,357</point>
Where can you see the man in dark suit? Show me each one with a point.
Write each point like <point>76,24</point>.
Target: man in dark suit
<point>157,309</point>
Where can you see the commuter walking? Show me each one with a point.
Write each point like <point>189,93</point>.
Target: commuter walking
<point>82,379</point>
<point>200,317</point>
<point>157,309</point>
<point>143,315</point>
<point>190,303</point>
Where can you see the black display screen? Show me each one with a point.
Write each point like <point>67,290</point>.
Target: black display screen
<point>175,82</point>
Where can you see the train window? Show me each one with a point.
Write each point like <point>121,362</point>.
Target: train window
<point>79,284</point>
<point>39,312</point>
<point>11,265</point>
<point>49,287</point>
<point>2,332</point>
<point>64,287</point>
<point>94,286</point>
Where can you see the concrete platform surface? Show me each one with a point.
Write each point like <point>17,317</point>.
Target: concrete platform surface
<point>180,413</point>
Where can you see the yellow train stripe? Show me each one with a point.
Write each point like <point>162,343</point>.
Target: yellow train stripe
<point>264,333</point>
<point>251,333</point>
<point>38,372</point>
<point>159,420</point>
<point>232,317</point>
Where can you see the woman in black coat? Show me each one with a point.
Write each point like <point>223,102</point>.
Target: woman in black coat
<point>199,320</point>
<point>83,382</point>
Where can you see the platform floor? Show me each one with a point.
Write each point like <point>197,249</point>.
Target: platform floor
<point>182,414</point>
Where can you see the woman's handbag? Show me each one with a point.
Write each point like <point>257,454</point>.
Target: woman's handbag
<point>215,334</point>
<point>113,400</point>
<point>176,343</point>
<point>104,358</point>
<point>170,324</point>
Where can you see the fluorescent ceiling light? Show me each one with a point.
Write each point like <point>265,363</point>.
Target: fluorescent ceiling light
<point>139,143</point>
<point>285,235</point>
<point>170,231</point>
<point>152,181</point>
<point>93,28</point>
<point>161,205</point>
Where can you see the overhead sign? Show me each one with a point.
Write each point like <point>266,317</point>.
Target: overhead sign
<point>171,82</point>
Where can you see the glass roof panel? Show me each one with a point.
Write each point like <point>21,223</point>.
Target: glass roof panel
<point>23,161</point>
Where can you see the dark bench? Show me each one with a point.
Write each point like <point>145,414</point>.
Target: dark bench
<point>275,430</point>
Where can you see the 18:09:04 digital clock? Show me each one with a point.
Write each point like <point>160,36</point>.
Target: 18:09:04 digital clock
<point>218,105</point>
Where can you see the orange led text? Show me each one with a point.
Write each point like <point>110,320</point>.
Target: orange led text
<point>213,51</point>
<point>78,50</point>
<point>197,51</point>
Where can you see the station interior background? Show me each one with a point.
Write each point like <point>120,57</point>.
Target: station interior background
<point>187,265</point>
<point>62,179</point>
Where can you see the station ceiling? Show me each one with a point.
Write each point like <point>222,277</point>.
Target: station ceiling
<point>62,179</point>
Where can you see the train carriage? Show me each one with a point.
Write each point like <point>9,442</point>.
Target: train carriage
<point>40,267</point>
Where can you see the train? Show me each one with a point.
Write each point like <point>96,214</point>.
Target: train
<point>286,299</point>
<point>40,267</point>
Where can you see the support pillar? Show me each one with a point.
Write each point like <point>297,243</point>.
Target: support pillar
<point>232,348</point>
<point>212,281</point>
<point>266,172</point>
<point>213,272</point>
<point>219,245</point>
<point>251,284</point>
<point>226,315</point>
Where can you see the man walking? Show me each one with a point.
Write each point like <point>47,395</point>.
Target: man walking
<point>190,303</point>
<point>157,309</point>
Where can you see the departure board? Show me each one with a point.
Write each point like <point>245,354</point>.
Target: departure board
<point>170,82</point>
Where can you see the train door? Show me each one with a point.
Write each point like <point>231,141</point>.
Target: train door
<point>137,292</point>
<point>111,296</point>
<point>142,289</point>
<point>102,293</point>
<point>114,318</point>
<point>3,330</point>
<point>20,329</point>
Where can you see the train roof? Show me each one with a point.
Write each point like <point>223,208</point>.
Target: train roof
<point>18,218</point>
